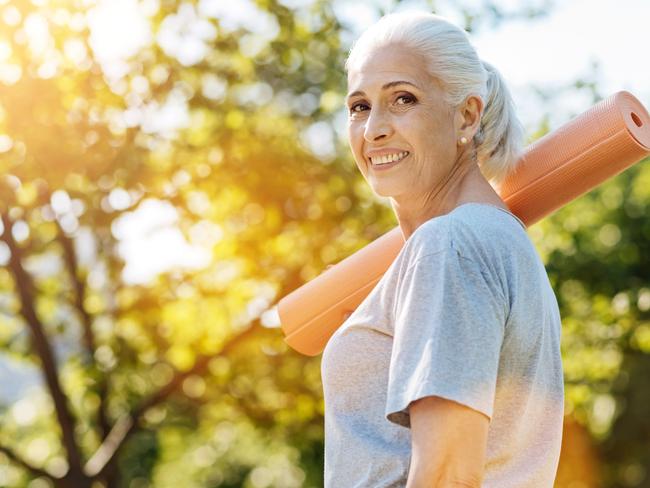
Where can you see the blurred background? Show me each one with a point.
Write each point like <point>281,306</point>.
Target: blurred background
<point>169,170</point>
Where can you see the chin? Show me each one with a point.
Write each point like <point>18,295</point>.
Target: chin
<point>385,191</point>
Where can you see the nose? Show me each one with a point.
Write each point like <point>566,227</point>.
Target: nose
<point>377,126</point>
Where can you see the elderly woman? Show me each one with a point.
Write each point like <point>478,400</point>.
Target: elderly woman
<point>449,373</point>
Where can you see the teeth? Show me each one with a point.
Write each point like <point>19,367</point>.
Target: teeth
<point>389,158</point>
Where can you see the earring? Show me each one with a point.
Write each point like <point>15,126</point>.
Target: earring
<point>463,140</point>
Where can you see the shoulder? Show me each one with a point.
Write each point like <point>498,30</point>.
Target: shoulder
<point>432,237</point>
<point>477,232</point>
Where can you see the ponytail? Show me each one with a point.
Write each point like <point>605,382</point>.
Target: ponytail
<point>499,139</point>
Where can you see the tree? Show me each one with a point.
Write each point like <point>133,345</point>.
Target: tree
<point>143,364</point>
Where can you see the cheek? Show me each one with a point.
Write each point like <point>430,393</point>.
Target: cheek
<point>429,135</point>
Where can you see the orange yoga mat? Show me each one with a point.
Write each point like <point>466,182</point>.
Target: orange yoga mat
<point>559,167</point>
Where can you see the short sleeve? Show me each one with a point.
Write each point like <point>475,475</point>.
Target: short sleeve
<point>449,322</point>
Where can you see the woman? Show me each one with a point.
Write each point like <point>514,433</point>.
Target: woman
<point>449,373</point>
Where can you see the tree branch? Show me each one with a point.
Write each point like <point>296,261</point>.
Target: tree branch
<point>70,259</point>
<point>42,346</point>
<point>28,466</point>
<point>72,266</point>
<point>127,425</point>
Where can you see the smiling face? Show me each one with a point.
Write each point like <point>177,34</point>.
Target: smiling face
<point>397,113</point>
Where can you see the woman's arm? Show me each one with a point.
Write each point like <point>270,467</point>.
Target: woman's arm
<point>448,441</point>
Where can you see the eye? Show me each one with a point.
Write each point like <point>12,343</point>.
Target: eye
<point>353,108</point>
<point>409,99</point>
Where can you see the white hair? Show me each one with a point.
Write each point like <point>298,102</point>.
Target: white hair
<point>453,61</point>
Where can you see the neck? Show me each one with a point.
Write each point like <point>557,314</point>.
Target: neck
<point>464,184</point>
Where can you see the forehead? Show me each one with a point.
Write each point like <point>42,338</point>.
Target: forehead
<point>388,63</point>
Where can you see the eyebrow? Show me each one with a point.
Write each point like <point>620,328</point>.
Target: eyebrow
<point>388,85</point>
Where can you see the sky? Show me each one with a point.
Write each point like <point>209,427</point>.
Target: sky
<point>544,54</point>
<point>558,49</point>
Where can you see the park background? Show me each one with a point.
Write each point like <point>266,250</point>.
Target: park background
<point>169,170</point>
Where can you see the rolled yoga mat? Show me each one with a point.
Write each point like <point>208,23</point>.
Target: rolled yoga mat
<point>559,167</point>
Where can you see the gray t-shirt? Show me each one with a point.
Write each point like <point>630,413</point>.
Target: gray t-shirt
<point>465,312</point>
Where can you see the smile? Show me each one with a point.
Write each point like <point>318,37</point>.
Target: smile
<point>388,160</point>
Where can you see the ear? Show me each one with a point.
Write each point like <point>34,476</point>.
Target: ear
<point>468,116</point>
